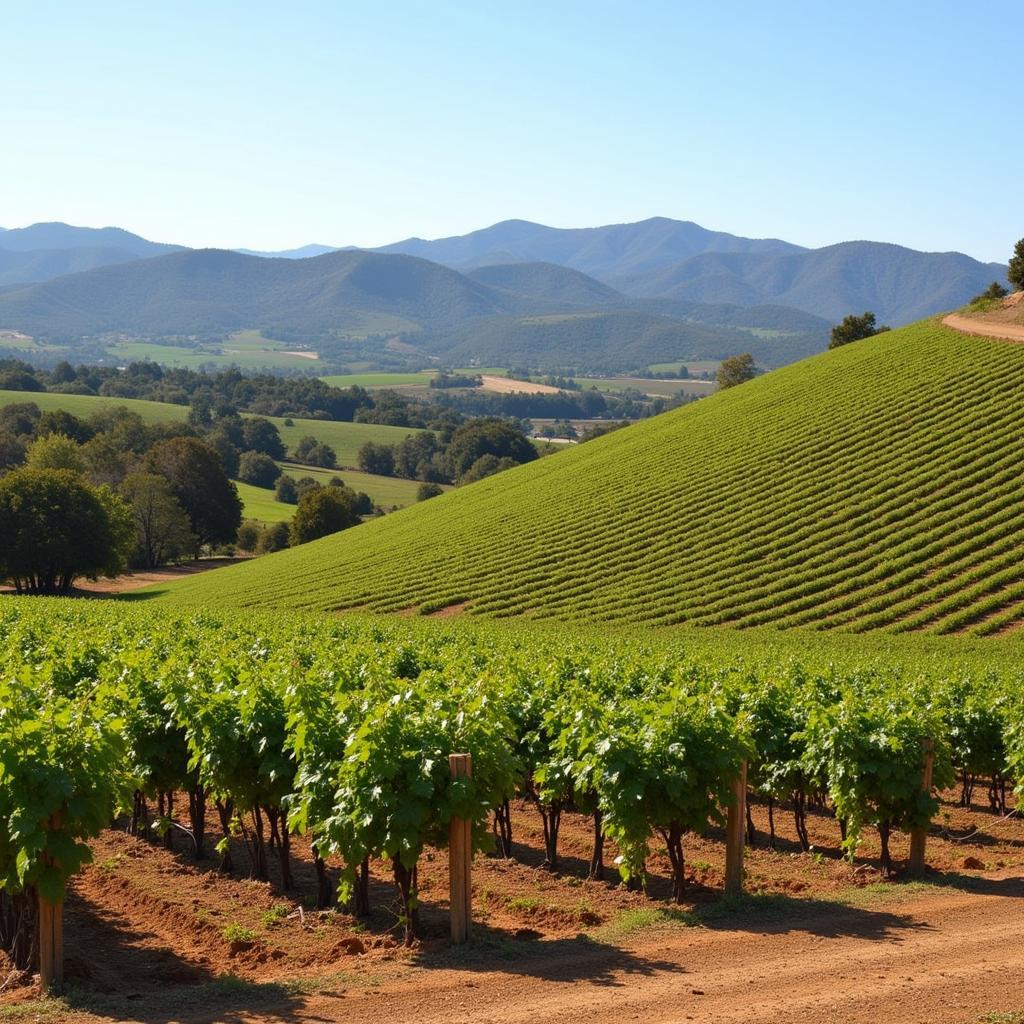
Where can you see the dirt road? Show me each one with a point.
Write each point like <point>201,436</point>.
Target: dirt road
<point>945,956</point>
<point>939,955</point>
<point>969,325</point>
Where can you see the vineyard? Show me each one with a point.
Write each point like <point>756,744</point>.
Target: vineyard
<point>231,735</point>
<point>875,487</point>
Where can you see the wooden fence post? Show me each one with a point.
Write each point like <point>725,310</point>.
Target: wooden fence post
<point>460,858</point>
<point>919,836</point>
<point>734,835</point>
<point>51,945</point>
<point>50,924</point>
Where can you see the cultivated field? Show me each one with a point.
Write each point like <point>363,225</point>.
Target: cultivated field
<point>349,724</point>
<point>872,487</point>
<point>248,350</point>
<point>648,386</point>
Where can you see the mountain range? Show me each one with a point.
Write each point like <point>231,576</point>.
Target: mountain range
<point>656,290</point>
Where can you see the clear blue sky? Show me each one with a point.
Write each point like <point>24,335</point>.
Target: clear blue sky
<point>270,125</point>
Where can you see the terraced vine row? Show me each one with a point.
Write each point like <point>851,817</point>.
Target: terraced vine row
<point>873,487</point>
<point>342,730</point>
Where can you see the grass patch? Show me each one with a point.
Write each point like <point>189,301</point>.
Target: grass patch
<point>629,922</point>
<point>235,932</point>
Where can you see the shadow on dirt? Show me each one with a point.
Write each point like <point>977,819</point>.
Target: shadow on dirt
<point>581,958</point>
<point>139,978</point>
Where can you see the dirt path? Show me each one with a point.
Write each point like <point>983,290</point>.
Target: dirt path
<point>945,955</point>
<point>967,324</point>
<point>950,956</point>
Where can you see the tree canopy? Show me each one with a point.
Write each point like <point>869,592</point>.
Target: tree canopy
<point>322,511</point>
<point>735,370</point>
<point>1015,272</point>
<point>54,527</point>
<point>197,479</point>
<point>855,328</point>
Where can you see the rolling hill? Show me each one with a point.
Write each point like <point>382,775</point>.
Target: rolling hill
<point>33,265</point>
<point>898,284</point>
<point>614,250</point>
<point>42,252</point>
<point>876,486</point>
<point>58,235</point>
<point>484,316</point>
<point>217,290</point>
<point>616,340</point>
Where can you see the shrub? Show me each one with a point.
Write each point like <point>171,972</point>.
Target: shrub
<point>258,469</point>
<point>736,370</point>
<point>320,512</point>
<point>274,537</point>
<point>428,490</point>
<point>286,490</point>
<point>855,328</point>
<point>249,535</point>
<point>377,458</point>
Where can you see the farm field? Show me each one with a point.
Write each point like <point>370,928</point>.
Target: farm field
<point>248,350</point>
<point>693,366</point>
<point>345,438</point>
<point>150,929</point>
<point>871,487</point>
<point>373,381</point>
<point>386,491</point>
<point>648,386</point>
<point>259,504</point>
<point>86,405</point>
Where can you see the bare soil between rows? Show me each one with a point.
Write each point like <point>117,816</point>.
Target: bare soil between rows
<point>817,939</point>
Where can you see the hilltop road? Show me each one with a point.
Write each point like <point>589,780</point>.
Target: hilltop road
<point>1008,332</point>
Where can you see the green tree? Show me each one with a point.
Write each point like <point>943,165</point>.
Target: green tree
<point>414,451</point>
<point>105,462</point>
<point>248,538</point>
<point>736,370</point>
<point>855,328</point>
<point>260,435</point>
<point>428,490</point>
<point>486,465</point>
<point>1015,271</point>
<point>55,451</point>
<point>320,512</point>
<point>274,538</point>
<point>12,450</point>
<point>197,478</point>
<point>486,436</point>
<point>258,469</point>
<point>162,531</point>
<point>54,528</point>
<point>20,418</point>
<point>994,291</point>
<point>377,458</point>
<point>285,490</point>
<point>60,421</point>
<point>221,441</point>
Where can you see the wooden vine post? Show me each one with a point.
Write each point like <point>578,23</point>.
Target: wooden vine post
<point>460,858</point>
<point>919,836</point>
<point>50,923</point>
<point>734,835</point>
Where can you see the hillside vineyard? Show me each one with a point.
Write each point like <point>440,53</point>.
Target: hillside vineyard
<point>875,487</point>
